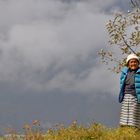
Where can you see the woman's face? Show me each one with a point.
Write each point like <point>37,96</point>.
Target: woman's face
<point>133,64</point>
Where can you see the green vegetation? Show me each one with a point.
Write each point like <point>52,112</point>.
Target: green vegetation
<point>76,132</point>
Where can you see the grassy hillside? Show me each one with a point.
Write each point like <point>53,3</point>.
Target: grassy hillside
<point>75,132</point>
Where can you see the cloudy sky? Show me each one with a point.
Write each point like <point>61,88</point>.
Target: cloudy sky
<point>49,64</point>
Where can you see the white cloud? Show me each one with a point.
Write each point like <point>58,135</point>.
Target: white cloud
<point>48,48</point>
<point>48,43</point>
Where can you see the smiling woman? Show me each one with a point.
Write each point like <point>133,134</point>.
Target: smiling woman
<point>130,92</point>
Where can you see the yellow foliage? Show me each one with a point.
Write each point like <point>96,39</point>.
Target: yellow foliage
<point>94,131</point>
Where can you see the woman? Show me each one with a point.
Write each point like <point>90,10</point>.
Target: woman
<point>130,92</point>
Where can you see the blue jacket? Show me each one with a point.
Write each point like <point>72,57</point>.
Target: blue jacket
<point>122,83</point>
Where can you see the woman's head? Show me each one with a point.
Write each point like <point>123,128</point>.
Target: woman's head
<point>132,61</point>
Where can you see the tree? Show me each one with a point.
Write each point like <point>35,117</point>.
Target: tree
<point>135,3</point>
<point>124,37</point>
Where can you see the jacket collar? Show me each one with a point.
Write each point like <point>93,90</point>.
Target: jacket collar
<point>138,71</point>
<point>125,70</point>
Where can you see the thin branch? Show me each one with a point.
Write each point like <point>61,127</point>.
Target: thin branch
<point>122,35</point>
<point>133,3</point>
<point>128,45</point>
<point>118,16</point>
